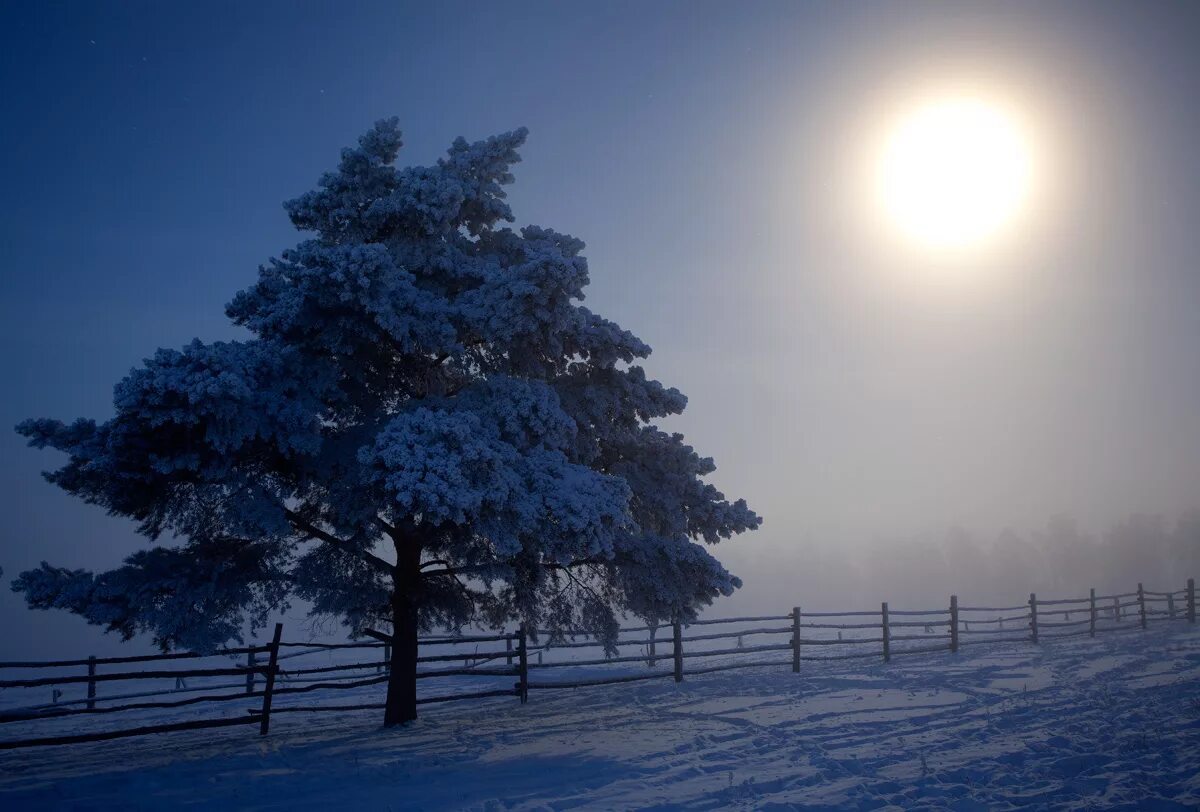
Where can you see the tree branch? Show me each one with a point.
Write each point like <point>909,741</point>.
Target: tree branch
<point>389,529</point>
<point>582,562</point>
<point>466,590</point>
<point>315,532</point>
<point>453,570</point>
<point>582,585</point>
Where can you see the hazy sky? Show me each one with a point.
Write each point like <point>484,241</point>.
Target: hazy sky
<point>709,155</point>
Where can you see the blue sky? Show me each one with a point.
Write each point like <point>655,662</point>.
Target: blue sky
<point>698,148</point>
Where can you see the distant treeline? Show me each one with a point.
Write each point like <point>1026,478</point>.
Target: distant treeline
<point>1060,559</point>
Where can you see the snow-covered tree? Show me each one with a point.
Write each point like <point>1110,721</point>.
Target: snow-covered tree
<point>426,429</point>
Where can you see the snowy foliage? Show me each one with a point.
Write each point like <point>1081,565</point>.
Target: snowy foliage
<point>425,414</point>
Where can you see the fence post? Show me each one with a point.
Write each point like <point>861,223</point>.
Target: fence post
<point>1142,604</point>
<point>652,661</point>
<point>1033,616</point>
<point>887,642</point>
<point>523,664</point>
<point>272,667</point>
<point>387,658</point>
<point>677,631</point>
<point>1171,605</point>
<point>250,671</point>
<point>795,639</point>
<point>1191,600</point>
<point>1092,612</point>
<point>954,624</point>
<point>91,703</point>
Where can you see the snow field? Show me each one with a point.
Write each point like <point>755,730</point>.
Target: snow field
<point>1078,723</point>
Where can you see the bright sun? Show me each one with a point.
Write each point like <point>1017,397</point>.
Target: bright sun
<point>954,173</point>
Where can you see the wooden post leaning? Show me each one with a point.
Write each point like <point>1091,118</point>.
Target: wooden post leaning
<point>1033,625</point>
<point>1141,595</point>
<point>272,667</point>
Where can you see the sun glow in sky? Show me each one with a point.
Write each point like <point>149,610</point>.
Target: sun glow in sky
<point>953,173</point>
<point>912,268</point>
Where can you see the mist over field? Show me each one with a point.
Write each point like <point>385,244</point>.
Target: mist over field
<point>1059,560</point>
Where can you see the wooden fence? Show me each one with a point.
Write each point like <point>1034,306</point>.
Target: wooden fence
<point>262,717</point>
<point>813,637</point>
<point>290,681</point>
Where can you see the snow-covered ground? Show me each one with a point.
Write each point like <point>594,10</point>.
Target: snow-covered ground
<point>1074,724</point>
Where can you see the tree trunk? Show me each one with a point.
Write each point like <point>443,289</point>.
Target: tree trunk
<point>402,681</point>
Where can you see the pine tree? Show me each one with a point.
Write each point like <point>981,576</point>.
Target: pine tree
<point>426,430</point>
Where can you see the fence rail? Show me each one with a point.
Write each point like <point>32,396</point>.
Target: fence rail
<point>262,717</point>
<point>943,630</point>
